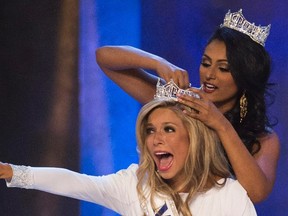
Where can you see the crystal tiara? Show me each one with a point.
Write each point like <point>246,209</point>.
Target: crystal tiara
<point>170,90</point>
<point>238,22</point>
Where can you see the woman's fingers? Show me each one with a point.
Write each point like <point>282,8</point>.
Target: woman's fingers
<point>168,71</point>
<point>181,78</point>
<point>202,109</point>
<point>196,103</point>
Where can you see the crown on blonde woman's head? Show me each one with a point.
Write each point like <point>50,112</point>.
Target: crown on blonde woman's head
<point>238,22</point>
<point>170,90</point>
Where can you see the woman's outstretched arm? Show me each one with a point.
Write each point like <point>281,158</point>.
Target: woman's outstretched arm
<point>128,67</point>
<point>106,190</point>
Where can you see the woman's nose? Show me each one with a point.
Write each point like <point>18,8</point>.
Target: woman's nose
<point>158,138</point>
<point>211,74</point>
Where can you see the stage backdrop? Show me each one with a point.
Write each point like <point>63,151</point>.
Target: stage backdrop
<point>59,109</point>
<point>39,97</point>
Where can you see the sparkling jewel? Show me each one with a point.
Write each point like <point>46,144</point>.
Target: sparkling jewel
<point>238,22</point>
<point>170,90</point>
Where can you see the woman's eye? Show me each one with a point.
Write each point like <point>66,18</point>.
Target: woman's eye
<point>224,69</point>
<point>149,130</point>
<point>169,129</point>
<point>204,64</point>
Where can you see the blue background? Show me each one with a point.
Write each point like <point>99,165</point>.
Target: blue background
<point>177,31</point>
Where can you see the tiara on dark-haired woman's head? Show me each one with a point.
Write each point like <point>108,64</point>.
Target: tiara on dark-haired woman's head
<point>238,22</point>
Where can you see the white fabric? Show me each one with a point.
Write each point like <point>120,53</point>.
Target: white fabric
<point>118,191</point>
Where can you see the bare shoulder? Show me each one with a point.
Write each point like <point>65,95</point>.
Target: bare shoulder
<point>270,139</point>
<point>270,145</point>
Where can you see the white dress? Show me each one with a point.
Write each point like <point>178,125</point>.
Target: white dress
<point>118,192</point>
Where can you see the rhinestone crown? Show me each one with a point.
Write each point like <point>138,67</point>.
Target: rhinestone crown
<point>238,22</point>
<point>170,90</point>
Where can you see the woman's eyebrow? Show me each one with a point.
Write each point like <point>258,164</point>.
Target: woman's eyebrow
<point>219,60</point>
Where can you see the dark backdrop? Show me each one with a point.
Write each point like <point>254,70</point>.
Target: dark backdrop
<point>39,98</point>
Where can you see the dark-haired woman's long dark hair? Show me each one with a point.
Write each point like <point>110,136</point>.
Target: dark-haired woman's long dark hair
<point>250,67</point>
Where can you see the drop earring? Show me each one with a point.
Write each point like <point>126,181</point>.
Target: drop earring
<point>243,107</point>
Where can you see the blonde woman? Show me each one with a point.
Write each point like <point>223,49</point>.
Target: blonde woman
<point>182,171</point>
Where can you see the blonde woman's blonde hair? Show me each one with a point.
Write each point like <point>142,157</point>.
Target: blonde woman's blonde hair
<point>205,160</point>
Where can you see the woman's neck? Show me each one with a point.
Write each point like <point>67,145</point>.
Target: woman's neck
<point>226,105</point>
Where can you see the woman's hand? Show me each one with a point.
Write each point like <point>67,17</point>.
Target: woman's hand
<point>168,71</point>
<point>203,109</point>
<point>5,171</point>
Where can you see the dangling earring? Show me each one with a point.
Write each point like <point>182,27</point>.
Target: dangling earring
<point>243,107</point>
